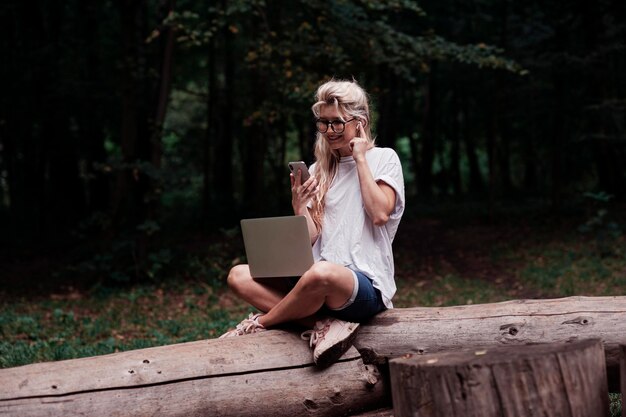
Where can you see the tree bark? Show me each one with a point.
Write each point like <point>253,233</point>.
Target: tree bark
<point>425,171</point>
<point>563,380</point>
<point>455,153</point>
<point>91,111</point>
<point>382,412</point>
<point>502,124</point>
<point>268,374</point>
<point>166,49</point>
<point>224,138</point>
<point>273,372</point>
<point>126,202</point>
<point>425,330</point>
<point>389,112</point>
<point>476,185</point>
<point>208,150</point>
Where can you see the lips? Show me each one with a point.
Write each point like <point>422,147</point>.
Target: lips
<point>335,138</point>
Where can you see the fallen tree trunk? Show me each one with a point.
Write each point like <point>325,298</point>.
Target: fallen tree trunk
<point>425,330</point>
<point>272,373</point>
<point>269,374</point>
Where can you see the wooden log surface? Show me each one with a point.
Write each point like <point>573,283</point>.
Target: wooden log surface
<point>267,374</point>
<point>381,412</point>
<point>564,380</point>
<point>423,330</point>
<point>124,377</point>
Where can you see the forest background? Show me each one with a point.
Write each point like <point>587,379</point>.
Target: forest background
<point>134,134</point>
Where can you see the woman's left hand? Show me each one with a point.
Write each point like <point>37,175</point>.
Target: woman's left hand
<point>359,144</point>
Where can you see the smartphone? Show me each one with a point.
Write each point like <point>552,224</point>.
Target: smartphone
<point>299,165</point>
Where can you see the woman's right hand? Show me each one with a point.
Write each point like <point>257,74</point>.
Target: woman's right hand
<point>301,193</point>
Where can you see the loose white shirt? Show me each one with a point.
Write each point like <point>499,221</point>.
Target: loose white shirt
<point>348,236</point>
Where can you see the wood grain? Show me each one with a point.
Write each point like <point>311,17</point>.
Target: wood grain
<point>424,330</point>
<point>564,380</point>
<point>267,374</point>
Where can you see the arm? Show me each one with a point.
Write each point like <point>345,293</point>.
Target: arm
<point>301,194</point>
<point>379,198</point>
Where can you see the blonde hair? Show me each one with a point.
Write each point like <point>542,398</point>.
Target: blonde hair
<point>350,100</point>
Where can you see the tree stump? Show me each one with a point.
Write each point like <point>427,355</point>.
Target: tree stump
<point>551,380</point>
<point>426,330</point>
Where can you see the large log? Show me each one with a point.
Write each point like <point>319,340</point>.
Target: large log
<point>269,374</point>
<point>425,330</point>
<point>381,412</point>
<point>272,373</point>
<point>554,380</point>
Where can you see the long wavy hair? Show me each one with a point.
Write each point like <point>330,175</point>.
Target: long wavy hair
<point>350,100</point>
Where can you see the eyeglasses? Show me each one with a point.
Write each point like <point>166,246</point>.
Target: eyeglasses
<point>338,126</point>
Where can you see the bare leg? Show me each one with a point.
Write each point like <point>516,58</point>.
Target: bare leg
<point>324,283</point>
<point>263,296</point>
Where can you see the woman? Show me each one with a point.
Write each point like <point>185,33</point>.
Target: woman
<point>353,203</point>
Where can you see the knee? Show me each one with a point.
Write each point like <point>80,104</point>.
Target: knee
<point>238,278</point>
<point>319,276</point>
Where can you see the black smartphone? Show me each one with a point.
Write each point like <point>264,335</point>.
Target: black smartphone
<point>299,165</point>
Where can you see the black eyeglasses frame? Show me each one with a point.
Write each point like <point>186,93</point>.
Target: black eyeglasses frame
<point>330,123</point>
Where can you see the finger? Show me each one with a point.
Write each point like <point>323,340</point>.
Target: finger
<point>359,129</point>
<point>310,181</point>
<point>292,179</point>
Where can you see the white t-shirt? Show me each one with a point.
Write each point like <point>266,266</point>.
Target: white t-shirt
<point>349,237</point>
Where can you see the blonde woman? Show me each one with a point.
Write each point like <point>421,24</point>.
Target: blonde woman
<point>353,203</point>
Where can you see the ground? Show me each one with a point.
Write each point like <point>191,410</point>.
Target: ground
<point>440,260</point>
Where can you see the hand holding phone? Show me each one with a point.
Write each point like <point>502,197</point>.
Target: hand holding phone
<point>299,165</point>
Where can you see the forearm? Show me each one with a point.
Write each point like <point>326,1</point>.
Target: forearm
<point>377,203</point>
<point>313,232</point>
<point>301,195</point>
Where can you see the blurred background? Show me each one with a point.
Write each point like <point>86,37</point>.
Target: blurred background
<point>134,134</point>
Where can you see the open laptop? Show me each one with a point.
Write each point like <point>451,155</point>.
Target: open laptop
<point>277,246</point>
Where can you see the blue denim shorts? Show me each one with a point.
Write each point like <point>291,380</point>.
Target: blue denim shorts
<point>366,301</point>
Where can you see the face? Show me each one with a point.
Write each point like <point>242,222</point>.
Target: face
<point>338,141</point>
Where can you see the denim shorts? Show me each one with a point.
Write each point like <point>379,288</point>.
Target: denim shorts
<point>366,301</point>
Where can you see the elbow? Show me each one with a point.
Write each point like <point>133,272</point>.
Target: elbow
<point>380,219</point>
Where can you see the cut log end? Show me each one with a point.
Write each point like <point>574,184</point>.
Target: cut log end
<point>547,380</point>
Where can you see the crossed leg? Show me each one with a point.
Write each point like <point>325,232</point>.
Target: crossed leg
<point>324,283</point>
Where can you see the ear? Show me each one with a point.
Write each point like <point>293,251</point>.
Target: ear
<point>363,121</point>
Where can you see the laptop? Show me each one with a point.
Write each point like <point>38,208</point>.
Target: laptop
<point>277,246</point>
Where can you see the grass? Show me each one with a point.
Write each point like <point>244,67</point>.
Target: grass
<point>461,264</point>
<point>64,326</point>
<point>447,290</point>
<point>75,323</point>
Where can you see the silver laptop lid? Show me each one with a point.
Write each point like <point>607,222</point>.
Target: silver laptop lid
<point>277,246</point>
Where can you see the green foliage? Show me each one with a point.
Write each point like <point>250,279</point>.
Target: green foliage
<point>606,232</point>
<point>445,75</point>
<point>615,404</point>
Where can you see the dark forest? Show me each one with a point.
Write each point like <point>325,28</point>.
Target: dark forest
<point>118,115</point>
